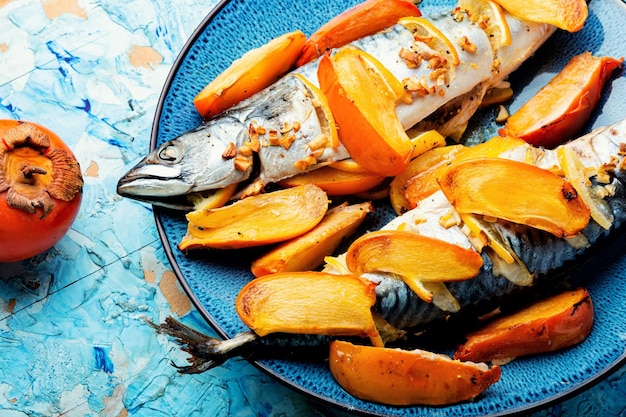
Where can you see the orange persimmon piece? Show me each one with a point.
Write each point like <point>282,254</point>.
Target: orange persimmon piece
<point>307,252</point>
<point>518,192</point>
<point>569,15</point>
<point>255,70</point>
<point>415,258</point>
<point>557,322</point>
<point>407,377</point>
<point>363,103</point>
<point>424,165</point>
<point>309,303</point>
<point>424,183</point>
<point>561,108</point>
<point>336,182</point>
<point>362,20</point>
<point>257,220</point>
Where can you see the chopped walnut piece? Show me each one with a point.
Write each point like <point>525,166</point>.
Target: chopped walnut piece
<point>467,45</point>
<point>303,164</point>
<point>412,58</point>
<point>287,140</point>
<point>230,151</point>
<point>273,138</point>
<point>320,141</point>
<point>242,163</point>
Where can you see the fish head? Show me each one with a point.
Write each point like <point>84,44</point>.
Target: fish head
<point>190,163</point>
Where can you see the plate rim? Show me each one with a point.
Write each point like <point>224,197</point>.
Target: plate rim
<point>167,247</point>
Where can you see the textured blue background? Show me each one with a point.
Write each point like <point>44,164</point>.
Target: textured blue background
<point>72,337</point>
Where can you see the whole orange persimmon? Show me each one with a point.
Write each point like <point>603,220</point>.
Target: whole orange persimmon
<point>40,189</point>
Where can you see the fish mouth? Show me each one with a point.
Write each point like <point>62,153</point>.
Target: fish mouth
<point>156,184</point>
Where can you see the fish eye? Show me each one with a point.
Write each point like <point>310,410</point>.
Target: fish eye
<point>169,153</point>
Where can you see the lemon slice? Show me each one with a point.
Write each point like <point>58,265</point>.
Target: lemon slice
<point>322,108</point>
<point>425,31</point>
<point>490,17</point>
<point>575,172</point>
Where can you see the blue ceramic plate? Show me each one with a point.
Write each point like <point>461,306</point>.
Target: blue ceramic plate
<point>212,279</point>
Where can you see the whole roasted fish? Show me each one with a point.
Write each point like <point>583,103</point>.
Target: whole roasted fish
<point>543,260</point>
<point>208,157</point>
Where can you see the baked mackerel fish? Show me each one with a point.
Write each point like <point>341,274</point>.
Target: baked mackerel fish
<point>446,87</point>
<point>544,261</point>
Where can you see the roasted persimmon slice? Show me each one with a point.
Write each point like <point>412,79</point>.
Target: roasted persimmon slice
<point>428,259</point>
<point>363,104</point>
<point>255,70</point>
<point>407,377</point>
<point>335,181</point>
<point>357,22</point>
<point>424,183</point>
<point>515,191</point>
<point>424,167</point>
<point>562,107</point>
<point>307,252</point>
<point>257,220</point>
<point>557,322</point>
<point>569,15</point>
<point>309,303</point>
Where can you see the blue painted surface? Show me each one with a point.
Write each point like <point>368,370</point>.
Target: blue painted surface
<point>73,340</point>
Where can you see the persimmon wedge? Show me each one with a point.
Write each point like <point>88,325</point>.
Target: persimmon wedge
<point>419,186</point>
<point>363,103</point>
<point>336,182</point>
<point>407,377</point>
<point>309,303</point>
<point>257,220</point>
<point>417,259</point>
<point>569,15</point>
<point>307,252</point>
<point>561,108</point>
<point>362,20</point>
<point>518,192</point>
<point>555,323</point>
<point>255,70</point>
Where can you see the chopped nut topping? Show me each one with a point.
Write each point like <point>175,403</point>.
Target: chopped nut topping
<point>287,140</point>
<point>467,45</point>
<point>274,139</point>
<point>242,163</point>
<point>245,149</point>
<point>303,164</point>
<point>255,145</point>
<point>230,151</point>
<point>412,85</point>
<point>261,130</point>
<point>296,126</point>
<point>412,58</point>
<point>451,218</point>
<point>457,14</point>
<point>320,141</point>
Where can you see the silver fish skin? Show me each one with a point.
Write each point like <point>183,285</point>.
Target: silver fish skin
<point>195,161</point>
